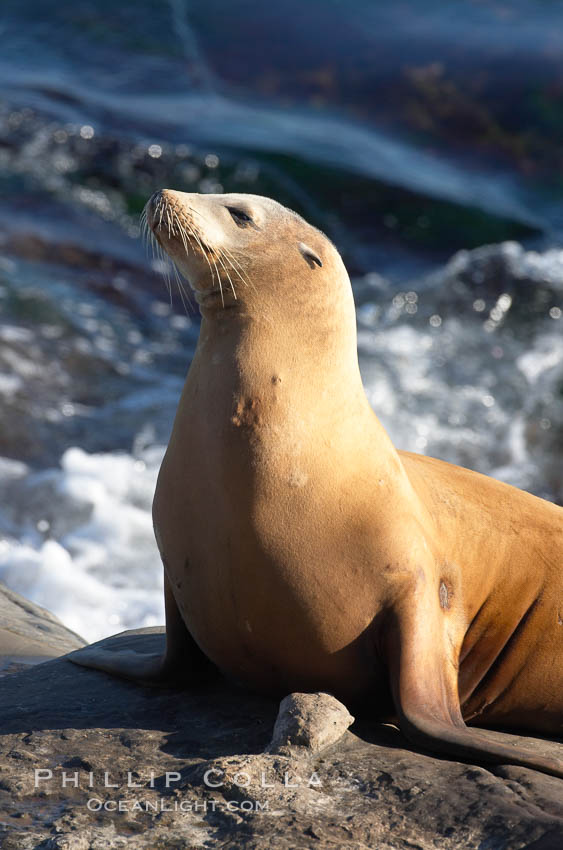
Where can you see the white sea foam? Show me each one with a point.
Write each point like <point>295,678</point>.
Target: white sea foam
<point>437,393</point>
<point>85,548</point>
<point>9,384</point>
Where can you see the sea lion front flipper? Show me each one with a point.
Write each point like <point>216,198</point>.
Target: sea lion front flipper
<point>423,679</point>
<point>182,660</point>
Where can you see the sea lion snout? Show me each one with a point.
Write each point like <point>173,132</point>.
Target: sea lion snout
<point>173,220</point>
<point>157,206</point>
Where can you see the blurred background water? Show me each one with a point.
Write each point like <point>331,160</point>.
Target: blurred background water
<point>425,138</point>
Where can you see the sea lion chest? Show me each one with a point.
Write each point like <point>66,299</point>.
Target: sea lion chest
<point>267,586</point>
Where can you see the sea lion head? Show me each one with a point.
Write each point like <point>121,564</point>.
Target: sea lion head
<point>246,251</point>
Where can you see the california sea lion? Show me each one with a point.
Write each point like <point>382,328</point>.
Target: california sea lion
<point>301,550</point>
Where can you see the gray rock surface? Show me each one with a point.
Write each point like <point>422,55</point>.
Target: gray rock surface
<point>30,634</point>
<point>204,780</point>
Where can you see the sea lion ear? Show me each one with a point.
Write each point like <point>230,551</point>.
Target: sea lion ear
<point>311,256</point>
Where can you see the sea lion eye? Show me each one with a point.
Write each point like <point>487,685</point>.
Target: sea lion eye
<point>241,218</point>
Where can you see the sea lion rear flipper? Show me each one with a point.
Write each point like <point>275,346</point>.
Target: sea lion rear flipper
<point>182,658</point>
<point>424,686</point>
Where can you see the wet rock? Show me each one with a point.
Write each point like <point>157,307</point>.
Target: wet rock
<point>30,634</point>
<point>502,277</point>
<point>124,766</point>
<point>508,264</point>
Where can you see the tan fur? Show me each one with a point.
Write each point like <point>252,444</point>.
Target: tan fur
<point>302,551</point>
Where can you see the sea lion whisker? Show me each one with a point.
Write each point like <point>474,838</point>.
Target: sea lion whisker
<point>235,266</point>
<point>171,218</point>
<point>165,268</point>
<point>218,255</point>
<point>228,275</point>
<point>220,283</point>
<point>150,242</point>
<point>188,297</point>
<point>154,246</point>
<point>149,239</point>
<point>172,269</point>
<point>181,289</point>
<point>185,240</point>
<point>218,276</point>
<point>203,251</point>
<point>175,221</point>
<point>230,254</point>
<point>184,237</point>
<point>143,220</point>
<point>145,235</point>
<point>205,254</point>
<point>144,227</point>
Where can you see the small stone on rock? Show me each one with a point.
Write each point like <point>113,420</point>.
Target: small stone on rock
<point>309,721</point>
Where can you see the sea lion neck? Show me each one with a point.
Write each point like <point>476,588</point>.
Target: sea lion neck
<point>248,356</point>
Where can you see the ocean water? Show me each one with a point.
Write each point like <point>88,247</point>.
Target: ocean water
<point>426,141</point>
